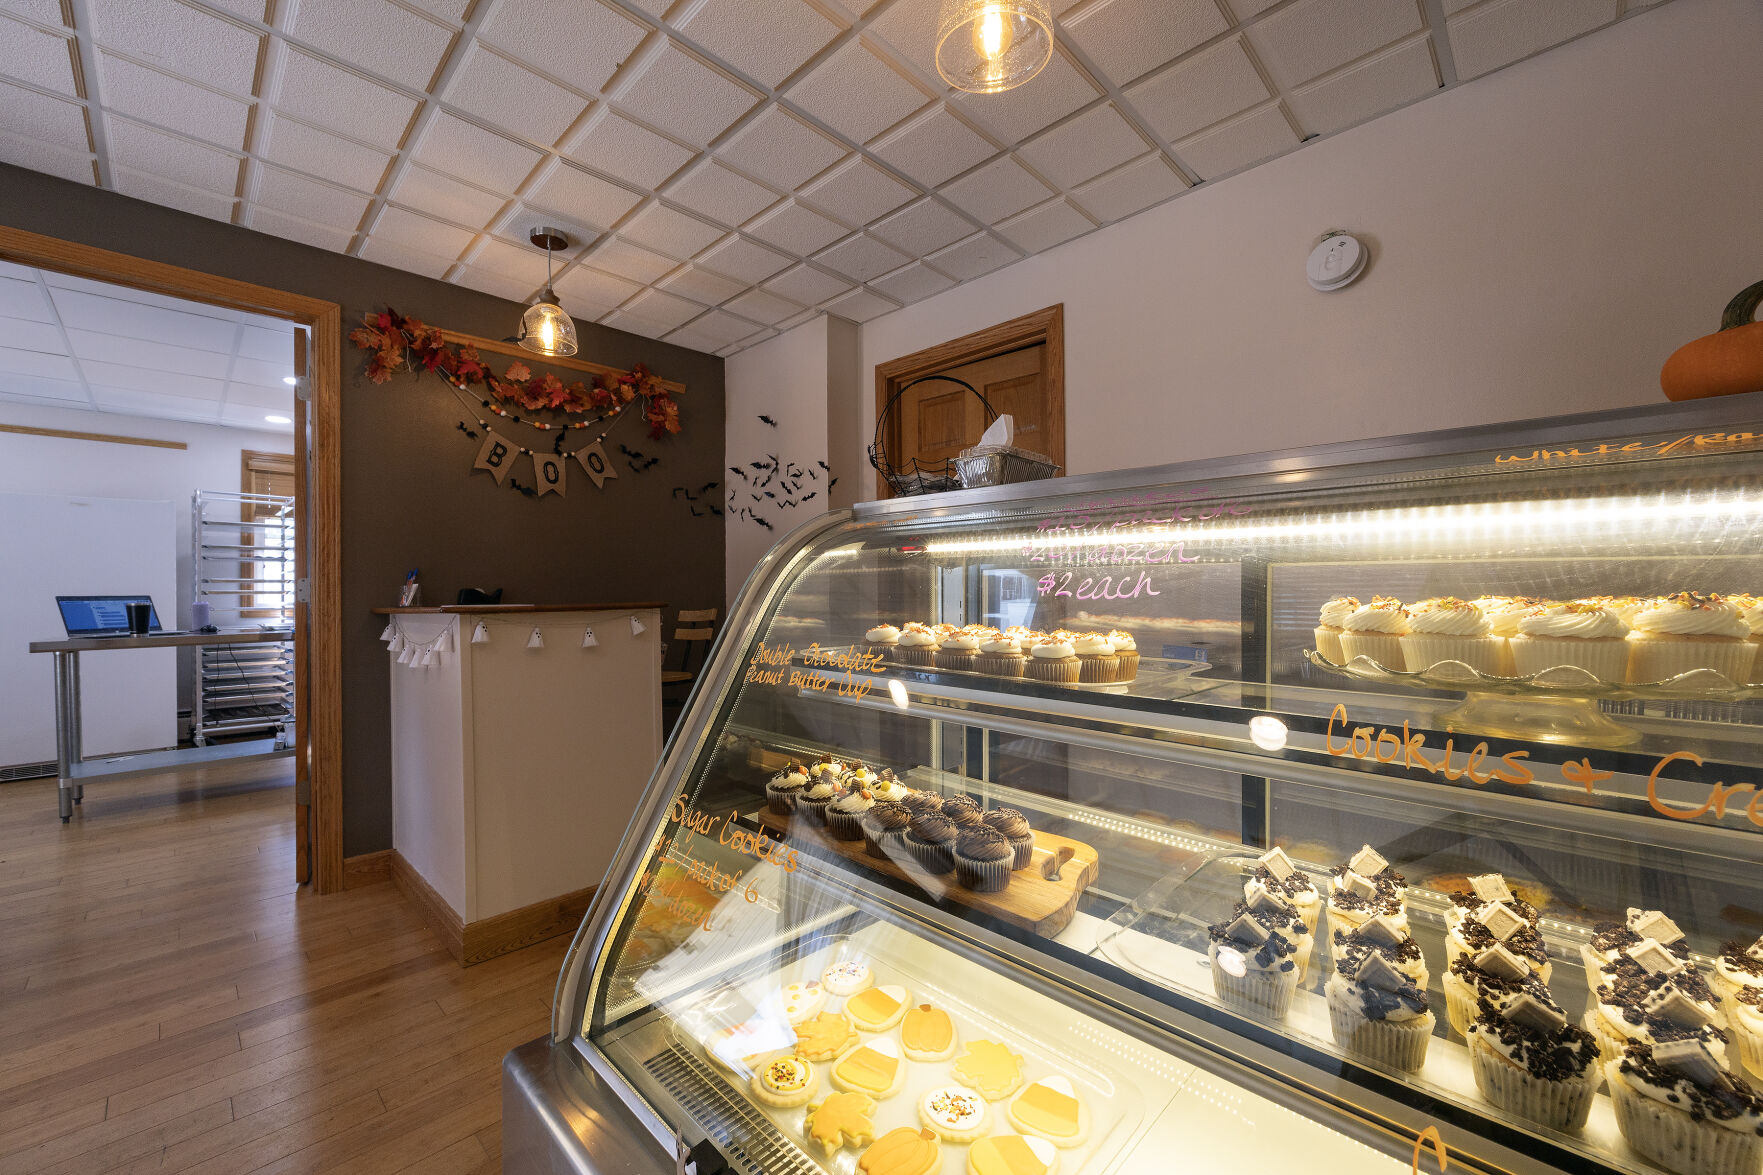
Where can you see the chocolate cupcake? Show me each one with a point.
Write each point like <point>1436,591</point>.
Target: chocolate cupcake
<point>930,838</point>
<point>844,816</point>
<point>783,789</point>
<point>884,826</point>
<point>1016,830</point>
<point>921,802</point>
<point>982,859</point>
<point>963,810</point>
<point>815,797</point>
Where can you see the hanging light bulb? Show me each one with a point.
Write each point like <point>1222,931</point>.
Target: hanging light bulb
<point>545,328</point>
<point>989,46</point>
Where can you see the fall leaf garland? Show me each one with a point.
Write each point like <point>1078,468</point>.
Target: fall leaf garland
<point>398,343</point>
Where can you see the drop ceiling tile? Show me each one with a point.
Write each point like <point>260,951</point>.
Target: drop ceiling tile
<point>1016,114</point>
<point>270,399</point>
<point>18,361</point>
<point>143,379</point>
<point>150,187</point>
<point>460,148</point>
<point>581,42</point>
<point>488,281</point>
<point>934,147</point>
<point>751,340</point>
<point>451,11</point>
<point>304,148</point>
<point>176,37</point>
<point>30,389</point>
<point>30,335</point>
<point>47,158</point>
<point>999,189</point>
<point>170,157</point>
<point>576,194</point>
<point>266,344</point>
<point>861,306</point>
<point>781,149</point>
<point>376,35</point>
<point>39,116</point>
<point>976,255</point>
<point>923,228</point>
<point>1247,10</point>
<point>134,402</point>
<point>858,192</point>
<point>1039,229</point>
<point>634,323</point>
<point>714,191</point>
<point>797,229</point>
<point>1241,141</point>
<point>385,251</point>
<point>164,357</point>
<point>1503,32</point>
<point>701,285</point>
<point>616,145</point>
<point>292,228</point>
<point>172,103</point>
<point>308,199</point>
<point>1126,38</point>
<point>1373,86</point>
<point>669,231</point>
<point>807,285</point>
<point>673,90</point>
<point>1085,147</point>
<point>343,100</point>
<point>46,12</point>
<point>912,282</point>
<point>862,257</point>
<point>1314,36</point>
<point>627,260</point>
<point>518,220</point>
<point>598,291</point>
<point>489,86</point>
<point>208,331</point>
<point>747,260</point>
<point>768,40</point>
<point>1130,189</point>
<point>445,197</point>
<point>790,324</point>
<point>1202,90</point>
<point>665,309</point>
<point>249,9</point>
<point>412,230</point>
<point>23,301</point>
<point>909,28</point>
<point>251,372</point>
<point>723,327</point>
<point>856,93</point>
<point>32,55</point>
<point>687,338</point>
<point>523,263</point>
<point>764,307</point>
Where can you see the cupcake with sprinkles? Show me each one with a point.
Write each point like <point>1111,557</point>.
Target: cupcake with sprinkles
<point>1015,828</point>
<point>917,646</point>
<point>1126,649</point>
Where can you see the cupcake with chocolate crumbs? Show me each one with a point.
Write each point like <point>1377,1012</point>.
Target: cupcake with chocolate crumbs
<point>964,810</point>
<point>884,830</point>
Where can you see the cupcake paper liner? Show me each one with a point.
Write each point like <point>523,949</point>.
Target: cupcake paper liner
<point>1656,660</point>
<point>1609,1045</point>
<point>1400,1044</point>
<point>1671,1138</point>
<point>1746,1046</point>
<point>781,802</point>
<point>844,825</point>
<point>1267,993</point>
<point>1046,669</point>
<point>1460,1004</point>
<point>937,859</point>
<point>1129,665</point>
<point>1383,647</point>
<point>816,809</point>
<point>924,656</point>
<point>887,649</point>
<point>1025,850</point>
<point>982,876</point>
<point>1328,643</point>
<point>1560,1105</point>
<point>1421,651</point>
<point>1605,658</point>
<point>999,664</point>
<point>956,658</point>
<point>886,847</point>
<point>1098,668</point>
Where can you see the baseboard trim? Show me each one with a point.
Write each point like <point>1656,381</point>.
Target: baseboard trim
<point>367,869</point>
<point>431,905</point>
<point>504,933</point>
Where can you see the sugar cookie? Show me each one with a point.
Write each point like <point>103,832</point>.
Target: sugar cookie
<point>802,1000</point>
<point>1051,1109</point>
<point>990,1068</point>
<point>877,1009</point>
<point>874,1068</point>
<point>843,1119</point>
<point>927,1034</point>
<point>956,1113</point>
<point>824,1037</point>
<point>785,1081</point>
<point>1012,1154</point>
<point>847,978</point>
<point>902,1151</point>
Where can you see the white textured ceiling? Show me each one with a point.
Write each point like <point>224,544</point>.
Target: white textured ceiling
<point>72,343</point>
<point>728,167</point>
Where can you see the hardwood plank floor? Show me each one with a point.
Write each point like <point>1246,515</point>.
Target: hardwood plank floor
<point>171,1001</point>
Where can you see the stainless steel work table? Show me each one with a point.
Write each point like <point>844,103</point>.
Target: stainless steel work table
<point>74,769</point>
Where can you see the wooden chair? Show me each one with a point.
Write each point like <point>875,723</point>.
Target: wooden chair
<point>696,630</point>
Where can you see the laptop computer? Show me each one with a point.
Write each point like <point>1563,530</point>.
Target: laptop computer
<point>94,616</point>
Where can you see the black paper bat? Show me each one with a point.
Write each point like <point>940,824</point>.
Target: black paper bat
<point>792,470</point>
<point>736,470</point>
<point>558,447</point>
<point>756,465</point>
<point>824,466</point>
<point>762,522</point>
<point>770,495</point>
<point>716,512</point>
<point>769,421</point>
<point>708,486</point>
<point>468,432</point>
<point>697,513</point>
<point>808,497</point>
<point>832,483</point>
<point>756,498</point>
<point>529,491</point>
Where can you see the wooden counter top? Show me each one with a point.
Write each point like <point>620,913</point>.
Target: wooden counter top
<point>523,609</point>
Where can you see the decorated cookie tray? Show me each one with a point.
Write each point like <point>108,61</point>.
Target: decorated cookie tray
<point>982,1010</point>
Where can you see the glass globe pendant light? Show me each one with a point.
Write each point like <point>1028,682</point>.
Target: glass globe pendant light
<point>989,46</point>
<point>545,328</point>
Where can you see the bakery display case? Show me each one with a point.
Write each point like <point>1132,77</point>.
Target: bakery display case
<point>1379,806</point>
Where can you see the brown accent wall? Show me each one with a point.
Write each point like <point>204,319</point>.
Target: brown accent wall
<point>410,497</point>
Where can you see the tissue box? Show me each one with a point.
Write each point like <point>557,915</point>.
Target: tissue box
<point>993,465</point>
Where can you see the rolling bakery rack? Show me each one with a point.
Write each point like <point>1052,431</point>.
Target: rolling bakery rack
<point>242,564</point>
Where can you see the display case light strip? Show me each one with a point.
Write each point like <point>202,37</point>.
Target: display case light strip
<point>1404,524</point>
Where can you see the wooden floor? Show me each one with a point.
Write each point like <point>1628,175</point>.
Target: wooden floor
<point>171,1001</point>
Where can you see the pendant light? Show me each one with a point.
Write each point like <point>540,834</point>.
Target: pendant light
<point>989,46</point>
<point>544,327</point>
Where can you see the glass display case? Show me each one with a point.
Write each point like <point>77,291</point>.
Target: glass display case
<point>1370,807</point>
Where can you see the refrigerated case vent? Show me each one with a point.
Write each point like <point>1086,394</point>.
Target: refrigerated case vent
<point>746,1136</point>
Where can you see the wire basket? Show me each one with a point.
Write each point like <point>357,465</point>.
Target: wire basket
<point>910,477</point>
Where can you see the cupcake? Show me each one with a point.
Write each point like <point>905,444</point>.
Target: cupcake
<point>1752,608</point>
<point>917,646</point>
<point>930,838</point>
<point>1496,922</point>
<point>1483,890</point>
<point>1330,620</point>
<point>887,788</point>
<point>1016,830</point>
<point>1678,633</point>
<point>1051,659</point>
<point>858,776</point>
<point>1503,614</point>
<point>1449,629</point>
<point>958,650</point>
<point>964,810</point>
<point>1611,939</point>
<point>844,816</point>
<point>1680,1108</point>
<point>1377,1007</point>
<point>1275,914</point>
<point>983,858</point>
<point>883,639</point>
<point>1254,967</point>
<point>921,802</point>
<point>1530,1061</point>
<point>1096,662</point>
<point>884,830</point>
<point>1375,630</point>
<point>1744,1020</point>
<point>783,789</point>
<point>1275,871</point>
<point>1001,656</point>
<point>1647,995</point>
<point>1127,649</point>
<point>1738,968</point>
<point>1496,975</point>
<point>1365,886</point>
<point>815,798</point>
<point>828,768</point>
<point>1585,636</point>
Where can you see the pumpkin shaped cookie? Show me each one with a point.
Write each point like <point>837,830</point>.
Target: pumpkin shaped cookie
<point>989,1067</point>
<point>1012,1154</point>
<point>785,1082</point>
<point>927,1034</point>
<point>1051,1109</point>
<point>903,1151</point>
<point>825,1036</point>
<point>878,1009</point>
<point>874,1068</point>
<point>843,1119</point>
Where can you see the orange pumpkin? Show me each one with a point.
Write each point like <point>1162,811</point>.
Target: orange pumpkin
<point>1724,363</point>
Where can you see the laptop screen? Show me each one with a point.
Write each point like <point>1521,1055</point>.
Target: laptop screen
<point>96,615</point>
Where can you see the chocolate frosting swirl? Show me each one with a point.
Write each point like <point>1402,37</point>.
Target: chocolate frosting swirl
<point>1008,821</point>
<point>983,844</point>
<point>932,828</point>
<point>887,817</point>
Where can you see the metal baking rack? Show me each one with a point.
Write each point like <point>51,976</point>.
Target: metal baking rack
<point>242,566</point>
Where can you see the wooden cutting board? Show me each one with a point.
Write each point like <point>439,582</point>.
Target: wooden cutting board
<point>1031,901</point>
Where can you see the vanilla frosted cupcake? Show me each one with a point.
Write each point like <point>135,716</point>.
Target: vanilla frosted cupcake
<point>1495,976</point>
<point>1752,608</point>
<point>1275,871</point>
<point>815,798</point>
<point>1529,1060</point>
<point>1000,655</point>
<point>1484,890</point>
<point>1365,887</point>
<point>1744,1020</point>
<point>1496,922</point>
<point>1738,968</point>
<point>1254,966</point>
<point>1376,1007</point>
<point>1681,1108</point>
<point>782,790</point>
<point>1449,629</point>
<point>958,650</point>
<point>1611,939</point>
<point>883,639</point>
<point>1383,935</point>
<point>1127,649</point>
<point>1375,630</point>
<point>1097,663</point>
<point>917,646</point>
<point>1503,614</point>
<point>1276,914</point>
<point>1585,636</point>
<point>1052,659</point>
<point>887,788</point>
<point>1646,995</point>
<point>1677,633</point>
<point>844,816</point>
<point>1331,619</point>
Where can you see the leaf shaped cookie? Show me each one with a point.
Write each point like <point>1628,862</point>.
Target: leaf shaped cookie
<point>990,1068</point>
<point>843,1119</point>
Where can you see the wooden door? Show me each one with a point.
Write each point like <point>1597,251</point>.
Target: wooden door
<point>302,607</point>
<point>1015,385</point>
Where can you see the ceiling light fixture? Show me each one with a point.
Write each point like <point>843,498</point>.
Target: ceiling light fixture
<point>279,419</point>
<point>544,327</point>
<point>989,46</point>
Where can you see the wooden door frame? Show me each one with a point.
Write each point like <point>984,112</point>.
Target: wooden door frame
<point>325,322</point>
<point>1042,326</point>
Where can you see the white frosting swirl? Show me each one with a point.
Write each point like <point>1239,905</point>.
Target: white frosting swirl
<point>882,634</point>
<point>1334,613</point>
<point>1447,616</point>
<point>1681,1092</point>
<point>1504,612</point>
<point>1691,614</point>
<point>917,635</point>
<point>960,642</point>
<point>1001,644</point>
<point>1093,644</point>
<point>1383,614</point>
<point>1123,641</point>
<point>1584,621</point>
<point>1052,650</point>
